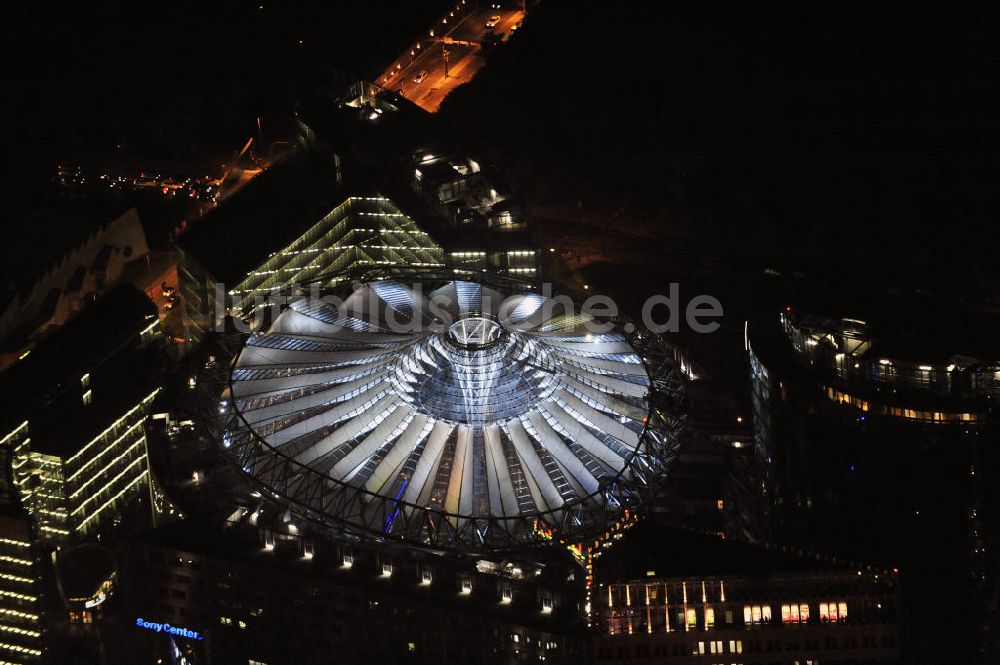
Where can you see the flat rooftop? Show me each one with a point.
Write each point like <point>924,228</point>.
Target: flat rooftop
<point>669,551</point>
<point>45,386</point>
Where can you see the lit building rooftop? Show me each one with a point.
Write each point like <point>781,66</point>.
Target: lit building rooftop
<point>485,421</point>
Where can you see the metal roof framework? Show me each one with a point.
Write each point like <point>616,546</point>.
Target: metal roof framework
<point>535,433</point>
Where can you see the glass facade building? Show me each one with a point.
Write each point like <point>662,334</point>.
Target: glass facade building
<point>21,629</point>
<point>76,494</point>
<point>361,233</point>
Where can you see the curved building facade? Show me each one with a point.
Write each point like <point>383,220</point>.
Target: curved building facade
<point>879,449</point>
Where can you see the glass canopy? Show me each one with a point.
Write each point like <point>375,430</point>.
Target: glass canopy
<point>465,417</point>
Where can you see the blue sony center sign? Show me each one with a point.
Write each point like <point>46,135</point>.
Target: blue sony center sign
<point>168,629</point>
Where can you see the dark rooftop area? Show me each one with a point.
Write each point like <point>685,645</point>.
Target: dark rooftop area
<point>676,552</point>
<point>103,340</point>
<point>48,229</point>
<point>266,215</point>
<point>916,328</point>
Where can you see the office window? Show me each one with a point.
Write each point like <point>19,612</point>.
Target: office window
<point>832,611</point>
<point>735,646</point>
<point>795,613</point>
<point>692,619</point>
<point>755,614</point>
<point>709,617</point>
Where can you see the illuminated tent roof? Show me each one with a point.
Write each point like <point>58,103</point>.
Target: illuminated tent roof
<point>461,418</point>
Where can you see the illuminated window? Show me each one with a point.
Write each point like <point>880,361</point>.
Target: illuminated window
<point>386,569</point>
<point>755,614</point>
<point>832,611</point>
<point>709,617</point>
<point>85,380</point>
<point>735,646</point>
<point>348,559</point>
<point>546,601</point>
<point>692,619</point>
<point>506,594</point>
<point>795,613</point>
<point>88,397</point>
<point>426,576</point>
<point>466,583</point>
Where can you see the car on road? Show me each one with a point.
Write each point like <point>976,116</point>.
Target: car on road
<point>419,78</point>
<point>492,23</point>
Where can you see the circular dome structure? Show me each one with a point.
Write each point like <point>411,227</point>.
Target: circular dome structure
<point>465,418</point>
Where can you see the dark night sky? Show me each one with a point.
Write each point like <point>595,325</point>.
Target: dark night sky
<point>852,134</point>
<point>856,132</point>
<point>172,80</point>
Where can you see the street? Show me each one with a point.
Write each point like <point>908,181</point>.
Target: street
<point>457,47</point>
